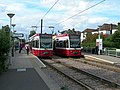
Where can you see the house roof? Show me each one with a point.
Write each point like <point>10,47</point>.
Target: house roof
<point>89,30</point>
<point>108,27</point>
<point>105,26</point>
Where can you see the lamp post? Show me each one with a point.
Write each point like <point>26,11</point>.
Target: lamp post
<point>34,28</point>
<point>13,26</point>
<point>10,15</point>
<point>41,25</point>
<point>13,40</point>
<point>99,40</point>
<point>52,29</point>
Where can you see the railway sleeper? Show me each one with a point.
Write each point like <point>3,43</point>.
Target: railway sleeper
<point>75,80</point>
<point>114,84</point>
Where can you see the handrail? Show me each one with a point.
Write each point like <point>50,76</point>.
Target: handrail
<point>110,52</point>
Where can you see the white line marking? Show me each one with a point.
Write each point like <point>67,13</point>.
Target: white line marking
<point>39,61</point>
<point>21,70</point>
<point>88,56</point>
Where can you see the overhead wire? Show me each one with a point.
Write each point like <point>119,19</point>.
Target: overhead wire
<point>48,11</point>
<point>80,12</point>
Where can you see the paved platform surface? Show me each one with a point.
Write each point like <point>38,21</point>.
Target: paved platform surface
<point>25,73</point>
<point>104,58</point>
<point>22,80</point>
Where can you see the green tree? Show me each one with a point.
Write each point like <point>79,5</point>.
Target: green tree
<point>4,46</point>
<point>90,40</point>
<point>69,31</point>
<point>108,42</point>
<point>116,39</point>
<point>32,33</point>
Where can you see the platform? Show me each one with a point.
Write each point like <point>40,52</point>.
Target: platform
<point>25,73</point>
<point>103,58</point>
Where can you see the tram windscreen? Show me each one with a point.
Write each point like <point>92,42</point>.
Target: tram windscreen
<point>46,41</point>
<point>74,41</point>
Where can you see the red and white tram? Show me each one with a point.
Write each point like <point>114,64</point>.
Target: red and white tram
<point>67,45</point>
<point>42,45</point>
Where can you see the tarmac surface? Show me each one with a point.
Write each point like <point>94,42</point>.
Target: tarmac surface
<point>25,73</point>
<point>27,79</point>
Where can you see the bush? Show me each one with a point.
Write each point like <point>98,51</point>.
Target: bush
<point>89,44</point>
<point>108,44</point>
<point>4,46</point>
<point>2,63</point>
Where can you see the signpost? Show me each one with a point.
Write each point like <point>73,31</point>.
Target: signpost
<point>18,35</point>
<point>99,44</point>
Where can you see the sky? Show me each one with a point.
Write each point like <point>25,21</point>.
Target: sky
<point>29,13</point>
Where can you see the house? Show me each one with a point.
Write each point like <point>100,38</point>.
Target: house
<point>105,29</point>
<point>108,29</point>
<point>88,30</point>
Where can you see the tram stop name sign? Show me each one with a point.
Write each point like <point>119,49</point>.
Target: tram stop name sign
<point>18,35</point>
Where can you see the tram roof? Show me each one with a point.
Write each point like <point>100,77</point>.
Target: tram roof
<point>63,35</point>
<point>36,35</point>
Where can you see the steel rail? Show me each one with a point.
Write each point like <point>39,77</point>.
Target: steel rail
<point>114,84</point>
<point>71,78</point>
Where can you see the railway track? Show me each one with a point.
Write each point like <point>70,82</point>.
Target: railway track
<point>96,63</point>
<point>85,79</point>
<point>105,65</point>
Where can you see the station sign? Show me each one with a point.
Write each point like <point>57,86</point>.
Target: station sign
<point>18,35</point>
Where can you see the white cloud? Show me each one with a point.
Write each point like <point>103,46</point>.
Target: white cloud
<point>15,7</point>
<point>2,8</point>
<point>95,20</point>
<point>47,2</point>
<point>29,12</point>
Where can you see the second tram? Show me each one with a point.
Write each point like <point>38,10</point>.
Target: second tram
<point>67,45</point>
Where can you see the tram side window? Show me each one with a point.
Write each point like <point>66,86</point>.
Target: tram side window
<point>34,43</point>
<point>57,43</point>
<point>65,44</point>
<point>60,44</point>
<point>37,44</point>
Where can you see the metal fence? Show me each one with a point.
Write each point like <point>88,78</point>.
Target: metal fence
<point>104,51</point>
<point>115,52</point>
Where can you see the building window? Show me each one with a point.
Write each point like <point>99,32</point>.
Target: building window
<point>107,32</point>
